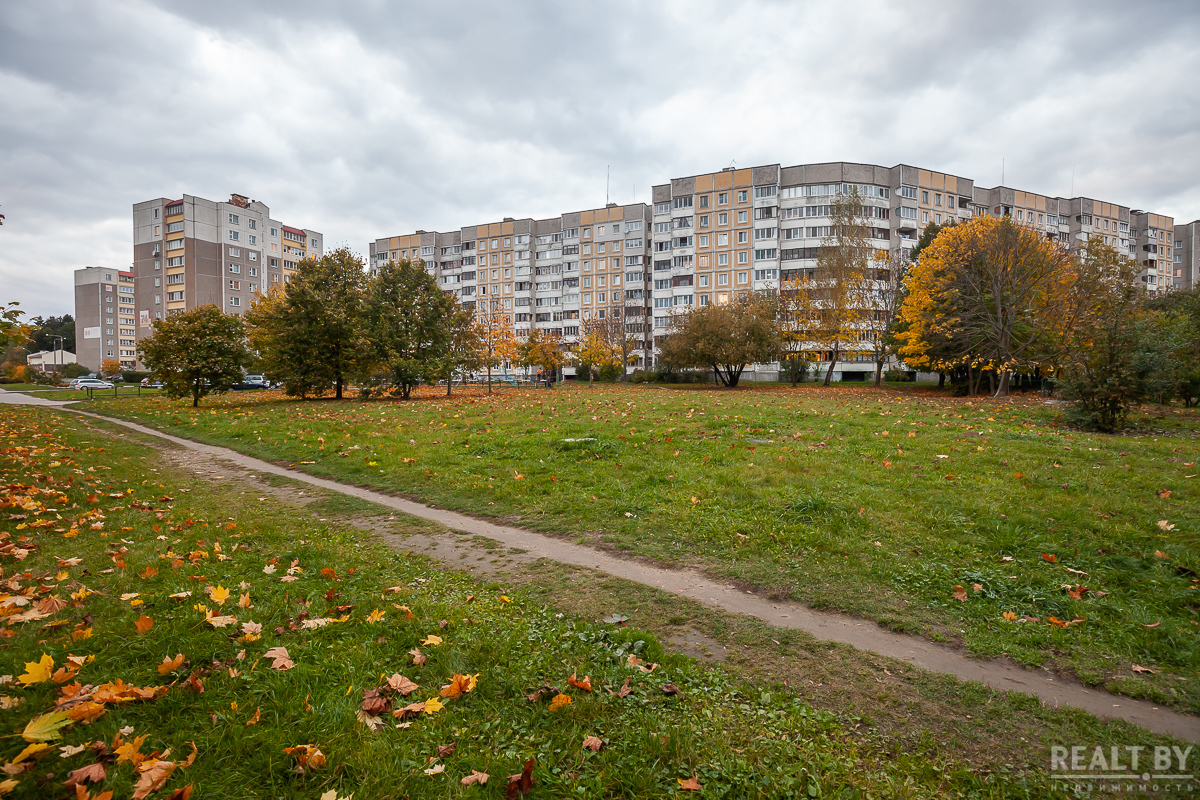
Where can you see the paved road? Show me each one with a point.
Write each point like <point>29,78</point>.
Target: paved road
<point>22,399</point>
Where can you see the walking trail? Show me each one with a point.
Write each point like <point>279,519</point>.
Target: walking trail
<point>829,626</point>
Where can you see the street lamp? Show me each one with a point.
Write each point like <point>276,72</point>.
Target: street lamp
<point>58,354</point>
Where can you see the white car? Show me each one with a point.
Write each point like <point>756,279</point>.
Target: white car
<point>91,383</point>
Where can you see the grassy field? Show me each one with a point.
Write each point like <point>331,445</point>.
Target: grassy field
<point>143,612</point>
<point>977,521</point>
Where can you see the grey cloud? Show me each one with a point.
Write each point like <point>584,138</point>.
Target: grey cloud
<point>377,118</point>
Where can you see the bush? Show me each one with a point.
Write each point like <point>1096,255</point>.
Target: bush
<point>609,372</point>
<point>133,376</point>
<point>74,371</point>
<point>897,375</point>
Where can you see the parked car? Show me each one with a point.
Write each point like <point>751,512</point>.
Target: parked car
<point>90,383</point>
<point>257,380</point>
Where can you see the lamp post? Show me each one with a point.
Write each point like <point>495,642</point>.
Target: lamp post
<point>58,355</point>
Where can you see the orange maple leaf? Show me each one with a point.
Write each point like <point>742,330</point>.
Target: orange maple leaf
<point>144,624</point>
<point>170,664</point>
<point>585,683</point>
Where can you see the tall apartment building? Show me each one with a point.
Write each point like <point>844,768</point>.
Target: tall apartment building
<point>1185,261</point>
<point>712,235</point>
<point>552,274</point>
<point>105,316</point>
<point>192,252</point>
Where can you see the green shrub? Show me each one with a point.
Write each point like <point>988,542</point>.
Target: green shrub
<point>897,375</point>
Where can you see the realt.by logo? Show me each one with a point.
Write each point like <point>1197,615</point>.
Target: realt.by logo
<point>1122,764</point>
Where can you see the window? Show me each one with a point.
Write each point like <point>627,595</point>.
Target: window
<point>253,239</point>
<point>723,218</point>
<point>937,199</point>
<point>174,279</point>
<point>683,202</point>
<point>176,261</point>
<point>234,252</point>
<point>743,277</point>
<point>702,221</point>
<point>925,197</point>
<point>924,216</point>
<point>743,195</point>
<point>743,257</point>
<point>235,269</point>
<point>703,281</point>
<point>177,244</point>
<point>634,225</point>
<point>764,191</point>
<point>235,285</point>
<point>662,208</point>
<point>907,213</point>
<point>175,227</point>
<point>769,252</point>
<point>743,216</point>
<point>662,227</point>
<point>702,202</point>
<point>156,213</point>
<point>723,198</point>
<point>722,259</point>
<point>742,237</point>
<point>252,223</point>
<point>704,241</point>
<point>235,301</point>
<point>767,212</point>
<point>766,274</point>
<point>174,296</point>
<point>765,233</point>
<point>233,219</point>
<point>233,236</point>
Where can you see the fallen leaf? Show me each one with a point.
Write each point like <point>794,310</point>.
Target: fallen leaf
<point>307,756</point>
<point>959,593</point>
<point>433,705</point>
<point>144,624</point>
<point>93,772</point>
<point>459,685</point>
<point>254,720</point>
<point>401,684</point>
<point>625,689</point>
<point>47,727</point>
<point>375,616</point>
<point>419,658</point>
<point>585,683</point>
<point>446,749</point>
<point>170,664</point>
<point>67,750</point>
<point>475,777</point>
<point>432,640</point>
<point>154,775</point>
<point>1048,557</point>
<point>38,671</point>
<point>1152,624</point>
<point>436,769</point>
<point>559,701</point>
<point>280,659</point>
<point>691,784</point>
<point>1160,554</point>
<point>521,783</point>
<point>1008,616</point>
<point>1165,525</point>
<point>670,688</point>
<point>219,595</point>
<point>1138,668</point>
<point>593,743</point>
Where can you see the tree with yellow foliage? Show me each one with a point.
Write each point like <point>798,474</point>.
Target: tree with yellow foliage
<point>498,343</point>
<point>988,295</point>
<point>839,290</point>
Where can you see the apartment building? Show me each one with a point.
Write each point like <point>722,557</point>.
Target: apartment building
<point>105,317</point>
<point>554,274</point>
<point>192,252</point>
<point>1185,261</point>
<point>709,236</point>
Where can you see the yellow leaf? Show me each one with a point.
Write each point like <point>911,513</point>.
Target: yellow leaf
<point>375,616</point>
<point>433,705</point>
<point>46,728</point>
<point>559,701</point>
<point>32,751</point>
<point>432,640</point>
<point>219,595</point>
<point>38,671</point>
<point>505,599</point>
<point>81,634</point>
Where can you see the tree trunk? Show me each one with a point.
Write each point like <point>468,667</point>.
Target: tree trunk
<point>941,380</point>
<point>878,374</point>
<point>337,387</point>
<point>489,378</point>
<point>992,382</point>
<point>795,372</point>
<point>832,363</point>
<point>449,383</point>
<point>195,396</point>
<point>589,376</point>
<point>1002,389</point>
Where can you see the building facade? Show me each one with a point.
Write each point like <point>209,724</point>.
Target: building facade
<point>192,252</point>
<point>707,237</point>
<point>105,317</point>
<point>1185,260</point>
<point>554,275</point>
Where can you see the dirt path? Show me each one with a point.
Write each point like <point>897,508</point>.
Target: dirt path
<point>830,626</point>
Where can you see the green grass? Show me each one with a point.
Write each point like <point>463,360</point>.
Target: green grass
<point>73,492</point>
<point>874,502</point>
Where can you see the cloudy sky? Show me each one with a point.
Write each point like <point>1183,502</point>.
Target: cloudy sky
<point>376,118</point>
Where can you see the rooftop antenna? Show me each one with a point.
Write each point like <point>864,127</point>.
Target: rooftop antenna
<point>733,163</point>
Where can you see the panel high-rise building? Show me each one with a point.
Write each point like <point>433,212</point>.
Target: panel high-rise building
<point>192,252</point>
<point>105,317</point>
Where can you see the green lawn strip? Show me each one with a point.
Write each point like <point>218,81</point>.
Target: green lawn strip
<point>737,740</point>
<point>887,702</point>
<point>872,502</point>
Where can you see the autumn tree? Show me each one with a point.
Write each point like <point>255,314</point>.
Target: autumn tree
<point>725,338</point>
<point>884,294</point>
<point>12,329</point>
<point>408,324</point>
<point>542,349</point>
<point>839,289</point>
<point>109,367</point>
<point>595,350</point>
<point>196,352</point>
<point>465,351</point>
<point>497,341</point>
<point>987,295</point>
<point>797,317</point>
<point>309,334</point>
